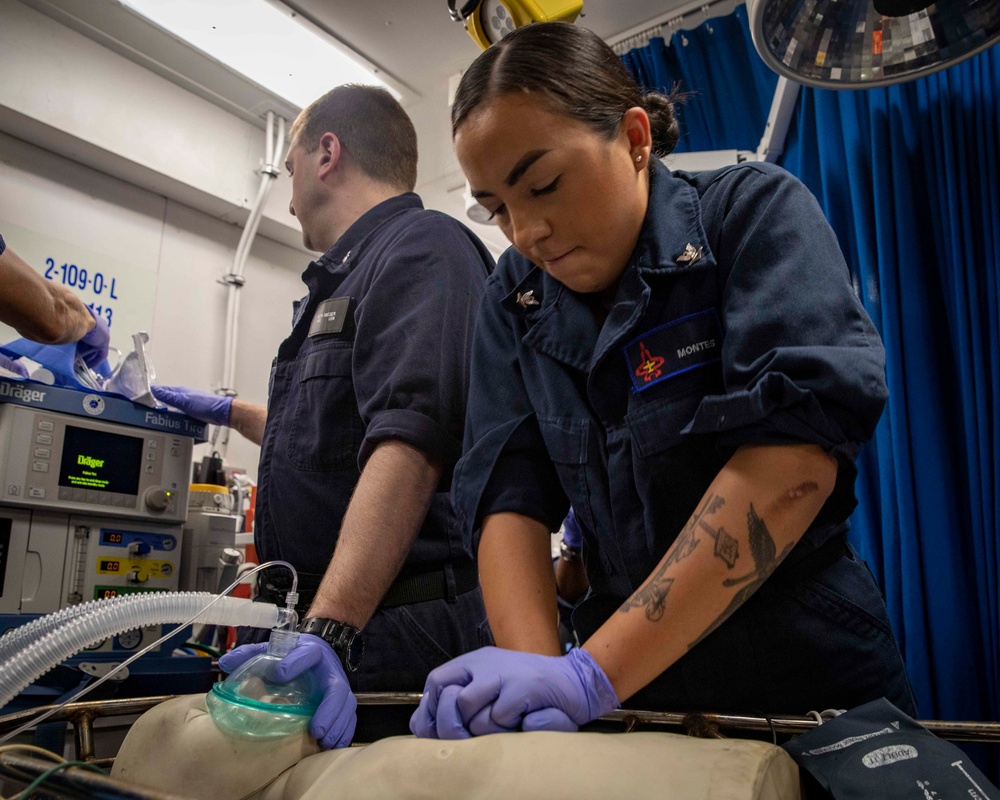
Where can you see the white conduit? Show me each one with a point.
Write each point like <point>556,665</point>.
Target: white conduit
<point>273,152</point>
<point>33,649</point>
<point>49,648</point>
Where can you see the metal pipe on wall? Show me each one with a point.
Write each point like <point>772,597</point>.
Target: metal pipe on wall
<point>273,153</point>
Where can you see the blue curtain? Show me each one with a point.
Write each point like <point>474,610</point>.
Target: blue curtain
<point>908,176</point>
<point>690,63</point>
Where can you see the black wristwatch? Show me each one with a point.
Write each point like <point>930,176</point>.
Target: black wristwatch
<point>345,639</point>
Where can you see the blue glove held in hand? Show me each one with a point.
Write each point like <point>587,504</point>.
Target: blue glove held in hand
<point>13,365</point>
<point>572,534</point>
<point>205,406</point>
<point>334,721</point>
<point>93,347</point>
<point>492,690</point>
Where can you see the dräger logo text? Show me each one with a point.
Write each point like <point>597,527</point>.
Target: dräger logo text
<point>697,347</point>
<point>22,393</point>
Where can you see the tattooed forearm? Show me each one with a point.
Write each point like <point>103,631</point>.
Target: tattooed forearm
<point>765,559</point>
<point>652,596</point>
<point>726,547</point>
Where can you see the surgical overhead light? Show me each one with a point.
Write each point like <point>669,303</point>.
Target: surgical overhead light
<point>855,44</point>
<point>488,21</point>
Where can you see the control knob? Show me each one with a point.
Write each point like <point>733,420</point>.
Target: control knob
<point>157,499</point>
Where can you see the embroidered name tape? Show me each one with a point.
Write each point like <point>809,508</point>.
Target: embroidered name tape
<point>330,316</point>
<point>671,349</point>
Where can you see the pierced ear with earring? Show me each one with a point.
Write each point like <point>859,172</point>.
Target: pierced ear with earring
<point>638,159</point>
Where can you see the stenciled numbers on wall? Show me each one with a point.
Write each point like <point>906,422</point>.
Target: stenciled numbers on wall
<point>121,293</point>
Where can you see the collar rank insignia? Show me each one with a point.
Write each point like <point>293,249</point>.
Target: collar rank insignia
<point>527,299</point>
<point>690,255</point>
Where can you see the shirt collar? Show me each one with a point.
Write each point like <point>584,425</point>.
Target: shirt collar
<point>347,245</point>
<point>673,237</point>
<point>337,260</point>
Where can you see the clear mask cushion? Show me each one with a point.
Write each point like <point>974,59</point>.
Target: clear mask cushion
<point>253,703</point>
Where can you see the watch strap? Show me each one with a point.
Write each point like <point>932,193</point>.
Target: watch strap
<point>568,552</point>
<point>345,639</point>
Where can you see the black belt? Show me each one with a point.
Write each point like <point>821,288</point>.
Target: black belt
<point>443,583</point>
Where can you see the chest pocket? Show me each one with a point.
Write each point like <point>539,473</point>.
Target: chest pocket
<point>325,431</point>
<point>657,416</point>
<point>671,471</point>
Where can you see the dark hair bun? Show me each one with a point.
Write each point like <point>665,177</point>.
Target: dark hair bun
<point>662,122</point>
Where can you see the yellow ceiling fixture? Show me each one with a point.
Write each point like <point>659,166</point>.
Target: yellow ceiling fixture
<point>488,21</point>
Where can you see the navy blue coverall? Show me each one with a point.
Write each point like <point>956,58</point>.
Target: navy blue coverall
<point>734,323</point>
<point>406,284</point>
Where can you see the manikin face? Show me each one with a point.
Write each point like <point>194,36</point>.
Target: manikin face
<point>567,198</point>
<point>307,197</point>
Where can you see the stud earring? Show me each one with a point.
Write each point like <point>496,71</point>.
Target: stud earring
<point>638,158</point>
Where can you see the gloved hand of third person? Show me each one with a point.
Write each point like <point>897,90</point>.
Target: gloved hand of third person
<point>492,690</point>
<point>13,365</point>
<point>94,346</point>
<point>334,722</point>
<point>572,534</point>
<point>204,406</point>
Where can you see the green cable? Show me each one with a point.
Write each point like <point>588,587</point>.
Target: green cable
<point>52,771</point>
<point>204,648</point>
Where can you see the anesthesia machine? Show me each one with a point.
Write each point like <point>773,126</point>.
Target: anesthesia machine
<point>93,501</point>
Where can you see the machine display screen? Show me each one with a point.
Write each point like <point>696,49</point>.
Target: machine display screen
<point>100,461</point>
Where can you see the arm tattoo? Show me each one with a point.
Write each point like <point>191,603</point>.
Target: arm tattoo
<point>726,547</point>
<point>653,595</point>
<point>763,552</point>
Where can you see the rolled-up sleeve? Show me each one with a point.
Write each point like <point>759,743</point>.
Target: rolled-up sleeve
<point>505,466</point>
<point>802,361</point>
<point>414,338</point>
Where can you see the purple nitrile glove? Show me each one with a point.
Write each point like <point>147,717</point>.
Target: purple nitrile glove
<point>205,406</point>
<point>13,365</point>
<point>334,721</point>
<point>93,347</point>
<point>491,690</point>
<point>572,534</point>
<point>237,657</point>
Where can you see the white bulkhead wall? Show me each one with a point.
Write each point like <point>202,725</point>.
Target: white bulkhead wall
<point>167,174</point>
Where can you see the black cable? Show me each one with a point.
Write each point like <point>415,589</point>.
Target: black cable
<point>460,15</point>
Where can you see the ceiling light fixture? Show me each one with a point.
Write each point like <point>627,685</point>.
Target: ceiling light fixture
<point>266,42</point>
<point>488,21</point>
<point>855,44</point>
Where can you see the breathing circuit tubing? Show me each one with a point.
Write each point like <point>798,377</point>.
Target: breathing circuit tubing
<point>28,652</point>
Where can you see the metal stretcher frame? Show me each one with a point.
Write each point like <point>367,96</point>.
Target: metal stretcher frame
<point>75,782</point>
